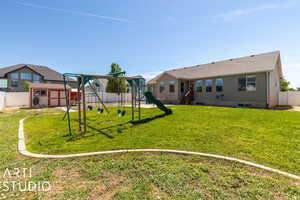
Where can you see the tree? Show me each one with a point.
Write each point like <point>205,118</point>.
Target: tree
<point>26,85</point>
<point>116,85</point>
<point>284,85</point>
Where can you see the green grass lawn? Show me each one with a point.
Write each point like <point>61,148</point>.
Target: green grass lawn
<point>267,137</point>
<point>133,175</point>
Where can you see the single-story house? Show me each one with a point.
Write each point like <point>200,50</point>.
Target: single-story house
<point>247,81</point>
<point>14,78</point>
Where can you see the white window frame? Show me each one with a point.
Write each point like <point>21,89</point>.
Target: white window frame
<point>173,84</point>
<point>217,85</point>
<point>206,85</point>
<point>161,86</point>
<point>199,84</point>
<point>248,89</point>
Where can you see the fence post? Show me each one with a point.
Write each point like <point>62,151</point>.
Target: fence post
<point>2,100</point>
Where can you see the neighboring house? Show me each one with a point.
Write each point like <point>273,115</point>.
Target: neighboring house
<point>13,78</point>
<point>247,81</point>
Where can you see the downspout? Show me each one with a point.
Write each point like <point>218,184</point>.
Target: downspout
<point>268,89</point>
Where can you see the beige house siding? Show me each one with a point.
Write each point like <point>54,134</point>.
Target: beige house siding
<point>166,96</point>
<point>274,85</point>
<point>231,95</point>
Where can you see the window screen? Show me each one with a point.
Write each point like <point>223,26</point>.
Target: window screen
<point>219,84</point>
<point>171,86</point>
<point>208,85</point>
<point>3,83</point>
<point>199,84</point>
<point>251,83</point>
<point>161,86</point>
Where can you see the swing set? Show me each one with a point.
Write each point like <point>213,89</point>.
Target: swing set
<point>136,87</point>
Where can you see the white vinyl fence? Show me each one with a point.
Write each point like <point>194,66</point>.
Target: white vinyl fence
<point>2,100</point>
<point>21,99</point>
<point>17,99</point>
<point>291,98</point>
<point>107,97</point>
<point>13,99</point>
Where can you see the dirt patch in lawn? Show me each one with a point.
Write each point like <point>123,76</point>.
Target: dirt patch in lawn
<point>107,191</point>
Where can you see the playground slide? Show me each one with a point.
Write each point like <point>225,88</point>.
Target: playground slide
<point>151,99</point>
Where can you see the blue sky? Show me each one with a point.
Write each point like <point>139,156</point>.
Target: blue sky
<point>147,36</point>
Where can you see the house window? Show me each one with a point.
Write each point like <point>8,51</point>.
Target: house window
<point>161,86</point>
<point>242,83</point>
<point>247,83</point>
<point>14,83</point>
<point>251,83</point>
<point>219,84</point>
<point>171,86</point>
<point>36,78</point>
<point>26,76</point>
<point>198,85</point>
<point>3,83</point>
<point>40,93</point>
<point>208,85</point>
<point>182,87</point>
<point>14,76</point>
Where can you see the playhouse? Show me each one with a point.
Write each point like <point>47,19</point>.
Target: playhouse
<point>48,95</point>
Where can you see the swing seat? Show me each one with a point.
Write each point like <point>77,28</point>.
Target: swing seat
<point>100,110</point>
<point>121,113</point>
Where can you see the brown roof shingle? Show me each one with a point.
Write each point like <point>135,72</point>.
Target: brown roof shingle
<point>249,64</point>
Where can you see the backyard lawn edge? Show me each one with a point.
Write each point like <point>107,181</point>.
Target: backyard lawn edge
<point>22,149</point>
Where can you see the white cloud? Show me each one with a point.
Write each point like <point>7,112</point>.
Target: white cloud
<point>77,12</point>
<point>150,75</point>
<point>248,11</point>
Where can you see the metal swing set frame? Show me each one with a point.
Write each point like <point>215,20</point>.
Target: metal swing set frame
<point>137,85</point>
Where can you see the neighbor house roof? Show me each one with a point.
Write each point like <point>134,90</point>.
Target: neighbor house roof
<point>46,72</point>
<point>249,64</point>
<point>48,86</point>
